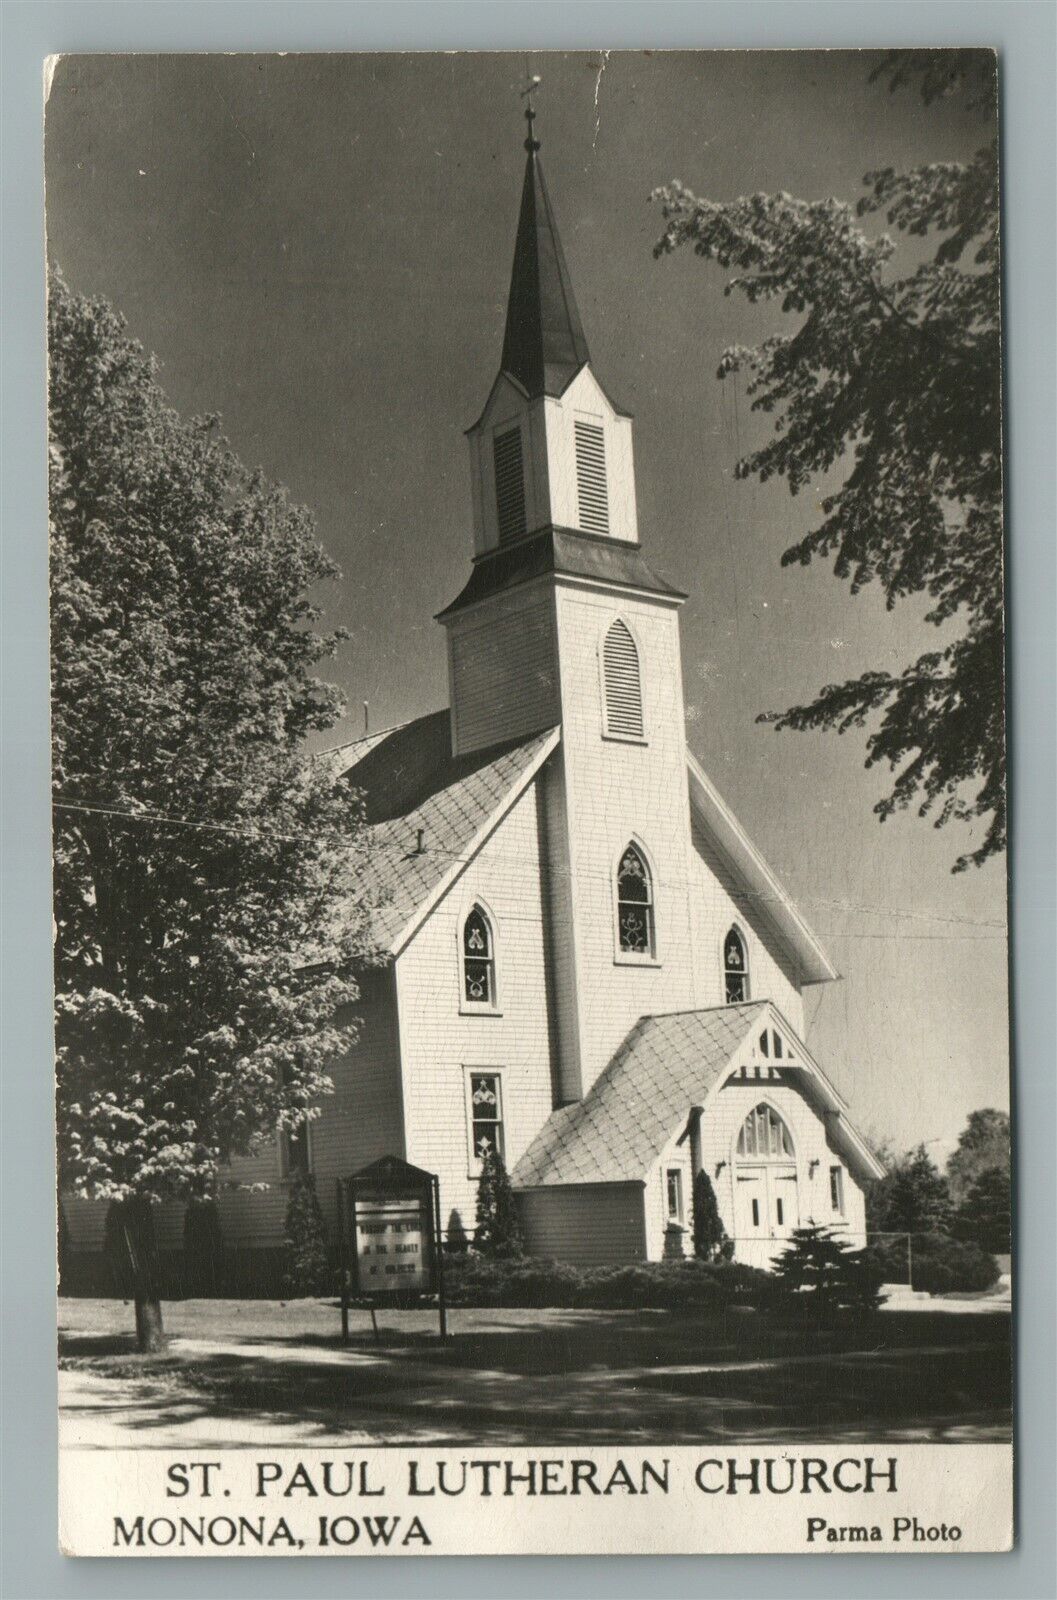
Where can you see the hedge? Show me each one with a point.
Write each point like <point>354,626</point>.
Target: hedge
<point>472,1280</point>
<point>941,1265</point>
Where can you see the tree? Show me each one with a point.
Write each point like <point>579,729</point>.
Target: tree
<point>912,1197</point>
<point>984,1216</point>
<point>897,374</point>
<point>710,1236</point>
<point>308,1269</point>
<point>826,1273</point>
<point>498,1231</point>
<point>982,1144</point>
<point>207,917</point>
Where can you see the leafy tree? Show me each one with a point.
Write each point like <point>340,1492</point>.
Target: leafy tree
<point>896,372</point>
<point>912,1197</point>
<point>984,1216</point>
<point>982,1144</point>
<point>308,1269</point>
<point>498,1231</point>
<point>205,868</point>
<point>710,1237</point>
<point>826,1274</point>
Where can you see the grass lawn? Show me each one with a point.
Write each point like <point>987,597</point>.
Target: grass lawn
<point>253,1372</point>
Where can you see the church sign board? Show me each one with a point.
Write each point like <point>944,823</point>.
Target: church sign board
<point>388,1228</point>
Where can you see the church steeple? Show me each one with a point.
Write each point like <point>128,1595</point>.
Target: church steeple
<point>544,346</point>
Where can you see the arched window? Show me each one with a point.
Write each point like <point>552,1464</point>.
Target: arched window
<point>735,969</point>
<point>764,1136</point>
<point>623,686</point>
<point>635,904</point>
<point>478,960</point>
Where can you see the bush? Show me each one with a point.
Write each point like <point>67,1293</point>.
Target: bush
<point>308,1269</point>
<point>984,1215</point>
<point>710,1236</point>
<point>663,1285</point>
<point>498,1231</point>
<point>943,1265</point>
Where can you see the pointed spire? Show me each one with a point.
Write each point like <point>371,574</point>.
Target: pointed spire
<point>544,346</point>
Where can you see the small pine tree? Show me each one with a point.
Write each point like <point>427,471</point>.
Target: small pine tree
<point>498,1231</point>
<point>710,1237</point>
<point>826,1274</point>
<point>912,1197</point>
<point>307,1266</point>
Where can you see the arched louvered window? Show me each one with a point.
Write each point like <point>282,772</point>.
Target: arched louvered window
<point>592,491</point>
<point>765,1137</point>
<point>622,683</point>
<point>635,929</point>
<point>478,960</point>
<point>735,969</point>
<point>509,485</point>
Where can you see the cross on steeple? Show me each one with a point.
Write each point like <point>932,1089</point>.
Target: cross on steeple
<point>534,81</point>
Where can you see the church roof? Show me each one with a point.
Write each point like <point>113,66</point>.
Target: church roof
<point>568,552</point>
<point>614,1134</point>
<point>544,346</point>
<point>425,809</point>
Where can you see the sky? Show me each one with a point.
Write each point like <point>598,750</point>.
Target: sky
<point>318,248</point>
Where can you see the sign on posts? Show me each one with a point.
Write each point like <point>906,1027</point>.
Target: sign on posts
<point>389,1238</point>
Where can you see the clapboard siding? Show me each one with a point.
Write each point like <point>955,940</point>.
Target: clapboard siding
<point>587,1225</point>
<point>504,676</point>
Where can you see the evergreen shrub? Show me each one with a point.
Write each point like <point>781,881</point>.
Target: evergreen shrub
<point>307,1267</point>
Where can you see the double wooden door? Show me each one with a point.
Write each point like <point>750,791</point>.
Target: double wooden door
<point>766,1211</point>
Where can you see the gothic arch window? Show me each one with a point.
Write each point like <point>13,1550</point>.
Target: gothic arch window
<point>735,968</point>
<point>635,920</point>
<point>764,1136</point>
<point>478,961</point>
<point>622,683</point>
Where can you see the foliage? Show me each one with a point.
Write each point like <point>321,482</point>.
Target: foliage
<point>820,1272</point>
<point>456,1239</point>
<point>498,1231</point>
<point>984,1216</point>
<point>942,1265</point>
<point>894,372</point>
<point>912,1197</point>
<point>982,1144</point>
<point>308,1269</point>
<point>205,903</point>
<point>203,1252</point>
<point>710,1236</point>
<point>685,1285</point>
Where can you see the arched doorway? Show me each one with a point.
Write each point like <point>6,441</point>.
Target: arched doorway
<point>766,1195</point>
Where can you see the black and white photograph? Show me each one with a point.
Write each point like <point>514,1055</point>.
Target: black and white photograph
<point>529,803</point>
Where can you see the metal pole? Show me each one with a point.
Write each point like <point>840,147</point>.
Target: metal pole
<point>438,1247</point>
<point>343,1264</point>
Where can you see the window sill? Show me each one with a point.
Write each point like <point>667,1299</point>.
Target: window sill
<point>467,1010</point>
<point>626,958</point>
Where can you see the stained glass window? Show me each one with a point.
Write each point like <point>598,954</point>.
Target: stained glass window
<point>486,1113</point>
<point>634,904</point>
<point>735,969</point>
<point>478,960</point>
<point>764,1136</point>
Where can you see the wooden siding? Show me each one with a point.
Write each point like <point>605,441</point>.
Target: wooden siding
<point>586,1225</point>
<point>504,674</point>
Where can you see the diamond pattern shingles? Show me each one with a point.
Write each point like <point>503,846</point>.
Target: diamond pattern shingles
<point>412,788</point>
<point>665,1065</point>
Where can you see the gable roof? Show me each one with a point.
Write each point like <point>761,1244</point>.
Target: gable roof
<point>768,897</point>
<point>665,1066</point>
<point>614,1134</point>
<point>410,781</point>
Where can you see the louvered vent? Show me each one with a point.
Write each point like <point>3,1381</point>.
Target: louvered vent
<point>591,477</point>
<point>509,485</point>
<point>620,668</point>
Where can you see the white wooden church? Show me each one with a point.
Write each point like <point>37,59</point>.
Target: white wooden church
<point>591,968</point>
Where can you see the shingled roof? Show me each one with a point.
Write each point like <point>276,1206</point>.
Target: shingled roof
<point>425,808</point>
<point>665,1065</point>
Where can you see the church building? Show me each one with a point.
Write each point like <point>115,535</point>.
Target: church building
<point>591,968</point>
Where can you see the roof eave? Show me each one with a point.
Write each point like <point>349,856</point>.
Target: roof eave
<point>776,904</point>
